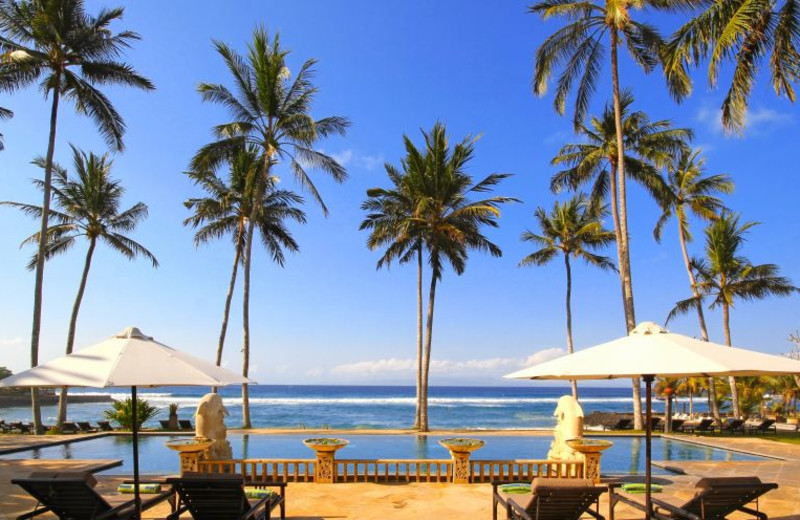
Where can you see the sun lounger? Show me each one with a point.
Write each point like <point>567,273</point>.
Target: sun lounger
<point>705,425</point>
<point>69,427</point>
<point>72,496</point>
<point>655,423</point>
<point>551,499</point>
<point>164,424</point>
<point>185,424</point>
<point>621,424</point>
<point>677,425</point>
<point>224,497</point>
<point>732,426</point>
<point>85,427</point>
<point>761,426</point>
<point>105,426</point>
<point>715,498</point>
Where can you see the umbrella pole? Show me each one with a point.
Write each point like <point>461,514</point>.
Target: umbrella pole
<point>648,381</point>
<point>137,500</point>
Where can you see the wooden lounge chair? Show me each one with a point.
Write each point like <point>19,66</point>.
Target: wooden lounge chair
<point>621,424</point>
<point>762,426</point>
<point>222,497</point>
<point>732,426</point>
<point>164,424</point>
<point>655,423</point>
<point>714,499</point>
<point>69,427</point>
<point>72,496</point>
<point>677,425</point>
<point>552,499</point>
<point>105,426</point>
<point>705,425</point>
<point>85,427</point>
<point>185,424</point>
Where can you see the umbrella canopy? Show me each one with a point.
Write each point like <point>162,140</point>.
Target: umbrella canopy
<point>651,349</point>
<point>129,358</point>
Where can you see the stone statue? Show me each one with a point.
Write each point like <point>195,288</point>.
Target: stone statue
<point>210,423</point>
<point>569,426</point>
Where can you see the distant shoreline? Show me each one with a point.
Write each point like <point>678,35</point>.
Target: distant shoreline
<point>13,401</point>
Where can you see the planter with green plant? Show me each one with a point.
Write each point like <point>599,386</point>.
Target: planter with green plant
<point>122,415</point>
<point>173,416</point>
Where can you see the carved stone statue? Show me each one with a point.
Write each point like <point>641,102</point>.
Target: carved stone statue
<point>569,415</point>
<point>210,423</point>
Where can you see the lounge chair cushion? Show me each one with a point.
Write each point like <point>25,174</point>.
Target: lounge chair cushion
<point>144,488</point>
<point>62,475</point>
<point>542,485</point>
<point>707,483</point>
<point>258,493</point>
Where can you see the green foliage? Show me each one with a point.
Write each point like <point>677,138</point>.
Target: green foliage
<point>53,430</point>
<point>173,408</point>
<point>121,412</point>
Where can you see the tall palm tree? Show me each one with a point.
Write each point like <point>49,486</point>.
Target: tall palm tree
<point>743,32</point>
<point>392,223</point>
<point>690,191</point>
<point>4,114</point>
<point>87,205</point>
<point>650,145</point>
<point>725,276</point>
<point>270,111</point>
<point>578,49</point>
<point>450,222</point>
<point>71,52</point>
<point>226,210</point>
<point>574,229</point>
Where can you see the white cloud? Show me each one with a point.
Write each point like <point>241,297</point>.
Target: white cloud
<point>479,367</point>
<point>10,342</point>
<point>356,159</point>
<point>756,119</point>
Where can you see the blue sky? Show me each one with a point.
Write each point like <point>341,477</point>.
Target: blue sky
<point>328,316</point>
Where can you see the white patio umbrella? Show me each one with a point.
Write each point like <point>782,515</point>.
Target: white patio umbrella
<point>649,351</point>
<point>128,359</point>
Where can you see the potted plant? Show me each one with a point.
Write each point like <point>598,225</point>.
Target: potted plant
<point>173,416</point>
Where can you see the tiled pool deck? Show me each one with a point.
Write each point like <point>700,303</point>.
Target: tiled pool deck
<point>471,501</point>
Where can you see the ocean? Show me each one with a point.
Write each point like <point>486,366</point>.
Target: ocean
<point>365,407</point>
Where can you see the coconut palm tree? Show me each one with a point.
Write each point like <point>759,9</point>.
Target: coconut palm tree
<point>392,223</point>
<point>226,210</point>
<point>573,229</point>
<point>270,111</point>
<point>650,146</point>
<point>743,32</point>
<point>87,205</point>
<point>4,114</point>
<point>578,49</point>
<point>725,276</point>
<point>667,388</point>
<point>450,222</point>
<point>690,191</point>
<point>71,53</point>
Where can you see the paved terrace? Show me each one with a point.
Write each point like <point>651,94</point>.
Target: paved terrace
<point>444,501</point>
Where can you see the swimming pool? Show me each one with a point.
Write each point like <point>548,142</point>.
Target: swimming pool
<point>626,456</point>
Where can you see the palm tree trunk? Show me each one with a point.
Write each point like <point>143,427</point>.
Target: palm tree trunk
<point>570,347</point>
<point>700,317</point>
<point>624,260</point>
<point>731,380</point>
<point>227,311</point>
<point>73,322</point>
<point>423,423</point>
<point>246,324</point>
<point>36,410</point>
<point>418,411</point>
<point>691,402</point>
<point>668,415</point>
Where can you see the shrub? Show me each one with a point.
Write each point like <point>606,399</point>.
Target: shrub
<point>121,412</point>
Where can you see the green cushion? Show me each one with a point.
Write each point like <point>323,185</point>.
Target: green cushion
<point>257,493</point>
<point>641,488</point>
<point>144,488</point>
<point>517,488</point>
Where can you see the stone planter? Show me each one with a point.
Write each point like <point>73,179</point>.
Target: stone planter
<point>591,450</point>
<point>325,449</point>
<point>190,451</point>
<point>460,450</point>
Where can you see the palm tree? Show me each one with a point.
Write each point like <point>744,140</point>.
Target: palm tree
<point>743,32</point>
<point>667,387</point>
<point>226,210</point>
<point>4,114</point>
<point>690,191</point>
<point>392,223</point>
<point>573,229</point>
<point>270,111</point>
<point>87,205</point>
<point>71,52</point>
<point>578,49</point>
<point>725,276</point>
<point>450,222</point>
<point>650,146</point>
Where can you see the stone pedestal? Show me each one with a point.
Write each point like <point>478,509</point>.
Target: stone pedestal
<point>325,464</point>
<point>591,450</point>
<point>190,452</point>
<point>591,466</point>
<point>460,451</point>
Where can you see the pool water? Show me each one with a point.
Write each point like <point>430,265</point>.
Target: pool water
<point>626,456</point>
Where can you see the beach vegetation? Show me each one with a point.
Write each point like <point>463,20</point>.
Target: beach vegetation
<point>87,205</point>
<point>122,412</point>
<point>270,109</point>
<point>573,229</point>
<point>70,53</point>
